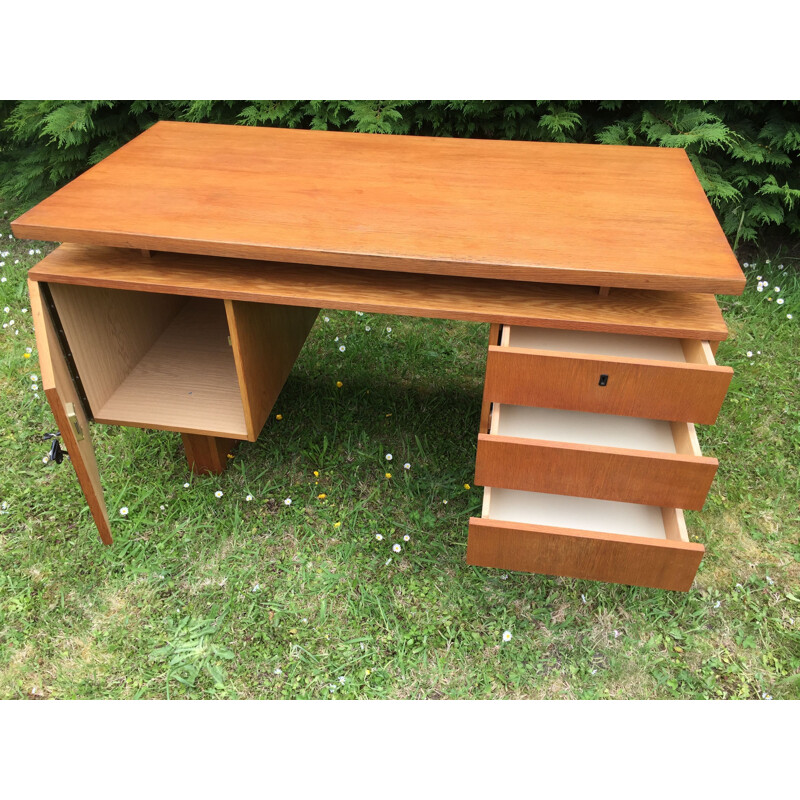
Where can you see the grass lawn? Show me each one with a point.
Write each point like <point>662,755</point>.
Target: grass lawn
<point>249,596</point>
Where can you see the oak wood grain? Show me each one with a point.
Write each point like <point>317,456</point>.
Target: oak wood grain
<point>677,392</point>
<point>266,340</point>
<point>60,390</point>
<point>596,215</point>
<point>657,313</point>
<point>615,558</point>
<point>584,470</point>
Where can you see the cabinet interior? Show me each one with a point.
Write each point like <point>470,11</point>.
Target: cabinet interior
<point>153,360</point>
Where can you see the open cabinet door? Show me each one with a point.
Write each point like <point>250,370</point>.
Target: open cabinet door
<point>68,410</point>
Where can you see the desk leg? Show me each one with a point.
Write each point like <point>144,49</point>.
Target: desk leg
<point>207,454</point>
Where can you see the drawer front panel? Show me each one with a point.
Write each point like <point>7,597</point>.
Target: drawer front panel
<point>581,470</point>
<point>655,563</point>
<point>631,388</point>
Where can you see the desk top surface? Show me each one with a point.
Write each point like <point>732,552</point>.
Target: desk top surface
<point>595,215</point>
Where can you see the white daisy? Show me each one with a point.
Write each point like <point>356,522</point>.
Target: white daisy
<point>287,501</point>
<point>379,537</point>
<point>342,348</point>
<point>396,548</point>
<point>249,498</point>
<point>124,511</point>
<point>218,493</point>
<point>388,456</point>
<point>507,636</point>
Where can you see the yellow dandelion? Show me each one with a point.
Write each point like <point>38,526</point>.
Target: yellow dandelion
<point>279,416</point>
<point>26,355</point>
<point>339,384</point>
<point>316,473</point>
<point>230,455</point>
<point>466,486</point>
<point>337,524</point>
<point>321,496</point>
<point>388,474</point>
<point>388,415</point>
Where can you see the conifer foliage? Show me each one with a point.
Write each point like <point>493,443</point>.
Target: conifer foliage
<point>745,153</point>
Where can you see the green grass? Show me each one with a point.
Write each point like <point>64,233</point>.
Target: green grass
<point>223,597</point>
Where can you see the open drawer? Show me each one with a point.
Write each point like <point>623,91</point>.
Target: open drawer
<point>582,538</point>
<point>195,365</point>
<point>608,373</point>
<point>603,456</point>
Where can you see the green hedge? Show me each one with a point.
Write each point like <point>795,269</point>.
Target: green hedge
<point>744,152</point>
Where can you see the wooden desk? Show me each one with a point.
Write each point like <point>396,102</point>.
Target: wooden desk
<point>586,438</point>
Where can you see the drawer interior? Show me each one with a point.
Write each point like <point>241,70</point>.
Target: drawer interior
<point>153,360</point>
<point>603,430</point>
<point>652,348</point>
<point>584,514</point>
